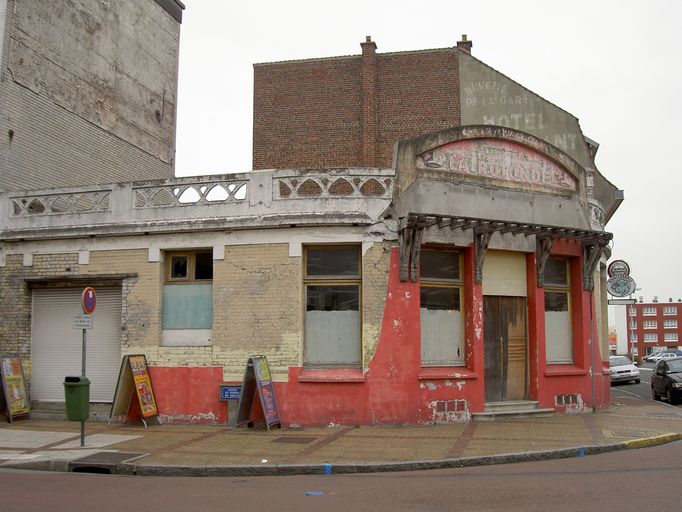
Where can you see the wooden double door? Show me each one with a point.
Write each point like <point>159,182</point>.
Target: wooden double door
<point>505,348</point>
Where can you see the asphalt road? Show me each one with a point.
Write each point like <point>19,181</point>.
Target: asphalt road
<point>641,390</point>
<point>645,479</point>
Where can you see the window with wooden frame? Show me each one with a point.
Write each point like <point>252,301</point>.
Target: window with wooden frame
<point>189,266</point>
<point>332,281</point>
<point>441,310</point>
<point>188,298</point>
<point>558,324</point>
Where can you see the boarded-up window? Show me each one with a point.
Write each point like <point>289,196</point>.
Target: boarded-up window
<point>188,299</point>
<point>558,331</point>
<point>441,311</point>
<point>332,317</point>
<point>188,307</point>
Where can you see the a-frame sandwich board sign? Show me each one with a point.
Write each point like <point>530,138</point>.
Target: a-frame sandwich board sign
<point>257,379</point>
<point>134,380</point>
<point>14,387</point>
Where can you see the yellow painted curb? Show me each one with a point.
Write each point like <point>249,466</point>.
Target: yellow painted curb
<point>652,441</point>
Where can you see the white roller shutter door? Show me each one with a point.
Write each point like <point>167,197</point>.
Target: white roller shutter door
<point>56,345</point>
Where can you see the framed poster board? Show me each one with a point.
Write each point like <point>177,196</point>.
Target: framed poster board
<point>257,379</point>
<point>14,387</point>
<point>134,380</point>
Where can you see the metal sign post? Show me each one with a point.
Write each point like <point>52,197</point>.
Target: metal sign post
<point>88,302</point>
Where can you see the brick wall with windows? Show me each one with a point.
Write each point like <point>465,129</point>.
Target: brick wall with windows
<point>310,113</point>
<point>655,326</point>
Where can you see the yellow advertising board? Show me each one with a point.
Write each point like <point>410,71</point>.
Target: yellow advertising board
<point>134,379</point>
<point>14,387</point>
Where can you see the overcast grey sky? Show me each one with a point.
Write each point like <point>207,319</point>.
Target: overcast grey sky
<point>616,65</point>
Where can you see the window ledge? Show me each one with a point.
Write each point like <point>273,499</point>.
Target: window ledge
<point>344,375</point>
<point>563,370</point>
<point>447,372</point>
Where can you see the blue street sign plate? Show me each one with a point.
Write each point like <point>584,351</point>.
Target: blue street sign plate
<point>230,392</point>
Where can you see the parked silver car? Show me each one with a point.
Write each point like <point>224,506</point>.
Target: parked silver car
<point>662,355</point>
<point>623,370</point>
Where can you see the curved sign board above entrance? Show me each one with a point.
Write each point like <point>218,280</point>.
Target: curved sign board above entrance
<point>500,162</point>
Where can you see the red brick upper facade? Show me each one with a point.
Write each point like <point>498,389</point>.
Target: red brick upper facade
<point>654,324</point>
<point>350,111</point>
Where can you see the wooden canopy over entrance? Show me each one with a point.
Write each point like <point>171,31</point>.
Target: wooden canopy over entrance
<point>412,228</point>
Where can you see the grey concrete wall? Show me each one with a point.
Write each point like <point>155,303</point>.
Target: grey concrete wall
<point>88,94</point>
<point>489,97</point>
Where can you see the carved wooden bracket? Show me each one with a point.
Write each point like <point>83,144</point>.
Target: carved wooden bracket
<point>543,246</point>
<point>592,250</point>
<point>412,229</point>
<point>410,239</point>
<point>482,235</point>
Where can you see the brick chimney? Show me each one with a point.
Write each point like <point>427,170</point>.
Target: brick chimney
<point>465,45</point>
<point>369,109</point>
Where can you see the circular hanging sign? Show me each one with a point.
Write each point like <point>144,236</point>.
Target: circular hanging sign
<point>621,286</point>
<point>618,268</point>
<point>89,300</point>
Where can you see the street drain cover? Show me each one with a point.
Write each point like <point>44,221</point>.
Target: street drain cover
<point>294,439</point>
<point>102,462</point>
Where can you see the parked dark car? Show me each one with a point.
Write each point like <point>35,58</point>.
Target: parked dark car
<point>666,380</point>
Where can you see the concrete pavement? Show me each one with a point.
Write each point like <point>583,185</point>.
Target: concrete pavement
<point>202,450</point>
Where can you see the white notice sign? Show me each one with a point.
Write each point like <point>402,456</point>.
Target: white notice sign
<point>82,321</point>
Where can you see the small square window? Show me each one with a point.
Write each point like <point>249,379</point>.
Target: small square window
<point>556,272</point>
<point>178,267</point>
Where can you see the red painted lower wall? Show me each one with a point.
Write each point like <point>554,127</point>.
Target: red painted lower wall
<point>189,394</point>
<point>394,389</point>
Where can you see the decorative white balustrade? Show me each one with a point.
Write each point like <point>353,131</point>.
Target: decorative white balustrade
<point>333,184</point>
<point>54,204</point>
<point>253,199</point>
<point>200,193</point>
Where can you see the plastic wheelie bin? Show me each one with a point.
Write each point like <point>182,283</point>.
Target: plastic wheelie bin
<point>77,395</point>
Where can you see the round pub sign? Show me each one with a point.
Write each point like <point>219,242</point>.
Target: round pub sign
<point>89,300</point>
<point>618,269</point>
<point>620,284</point>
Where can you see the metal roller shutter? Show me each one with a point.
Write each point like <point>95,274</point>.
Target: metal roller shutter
<point>504,273</point>
<point>56,345</point>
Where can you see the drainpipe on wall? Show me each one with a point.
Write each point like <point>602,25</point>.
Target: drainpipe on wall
<point>592,346</point>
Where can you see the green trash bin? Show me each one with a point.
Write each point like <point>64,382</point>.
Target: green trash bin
<point>77,395</point>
